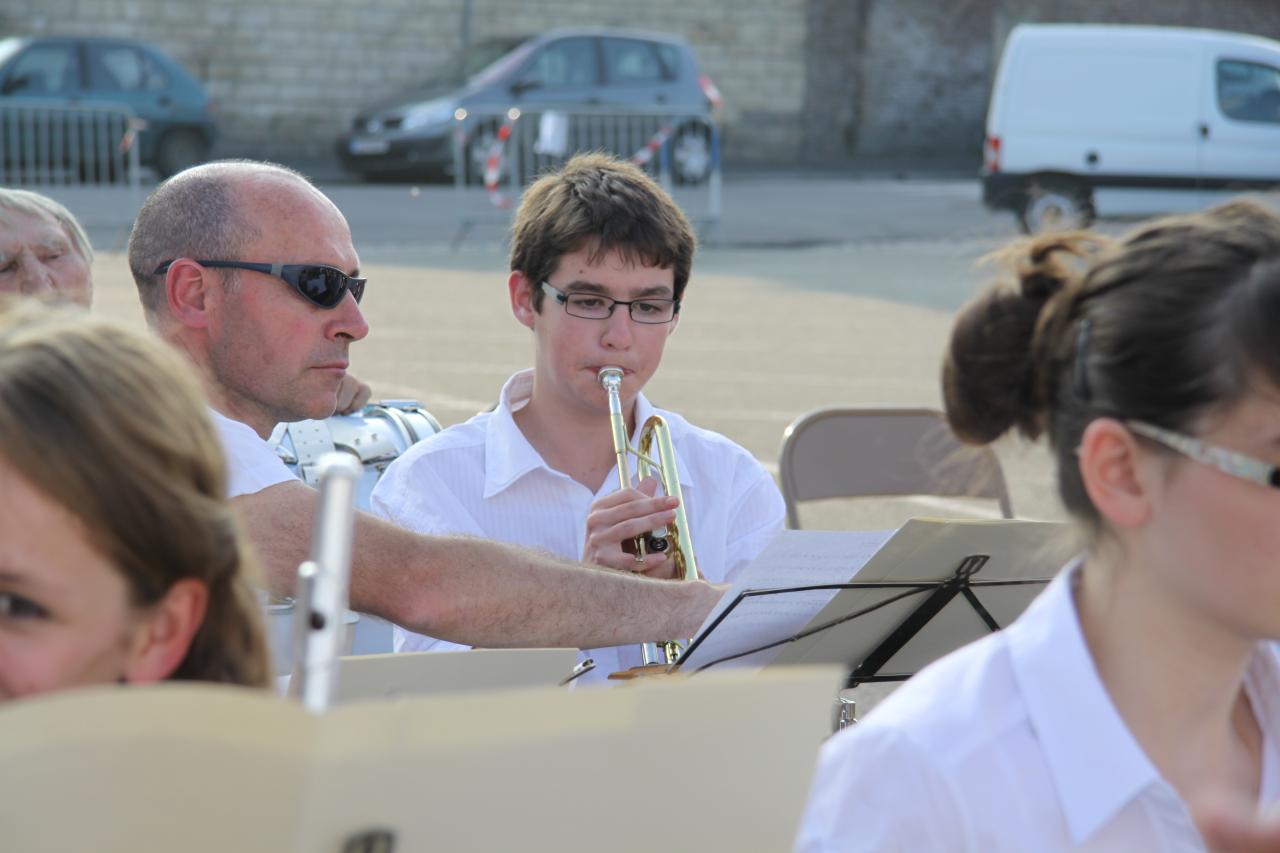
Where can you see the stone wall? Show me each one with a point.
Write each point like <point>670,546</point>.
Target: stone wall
<point>803,80</point>
<point>927,77</point>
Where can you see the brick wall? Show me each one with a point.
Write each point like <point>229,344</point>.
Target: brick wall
<point>816,80</point>
<point>288,75</point>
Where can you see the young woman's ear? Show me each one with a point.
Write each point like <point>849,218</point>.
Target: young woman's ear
<point>164,635</point>
<point>1115,472</point>
<point>521,288</point>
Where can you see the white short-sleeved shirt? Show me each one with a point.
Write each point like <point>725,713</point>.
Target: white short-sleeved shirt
<point>252,464</point>
<point>483,478</point>
<point>1012,744</point>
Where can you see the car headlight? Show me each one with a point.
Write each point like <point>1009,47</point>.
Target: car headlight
<point>429,112</point>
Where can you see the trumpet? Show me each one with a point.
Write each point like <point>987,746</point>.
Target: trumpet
<point>323,581</point>
<point>677,537</point>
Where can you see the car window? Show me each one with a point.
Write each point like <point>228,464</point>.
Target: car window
<point>122,68</point>
<point>629,61</point>
<point>564,63</point>
<point>44,69</point>
<point>8,47</point>
<point>482,54</point>
<point>1249,91</point>
<point>672,59</point>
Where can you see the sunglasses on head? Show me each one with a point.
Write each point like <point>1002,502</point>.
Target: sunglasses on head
<point>318,284</point>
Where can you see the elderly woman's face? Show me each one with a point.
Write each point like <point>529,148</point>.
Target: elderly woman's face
<point>65,615</point>
<point>37,258</point>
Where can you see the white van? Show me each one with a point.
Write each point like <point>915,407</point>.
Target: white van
<point>1079,107</point>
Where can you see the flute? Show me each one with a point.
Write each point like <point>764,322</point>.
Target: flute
<point>319,628</point>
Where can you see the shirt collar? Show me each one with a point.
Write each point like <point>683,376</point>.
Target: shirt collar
<point>509,455</point>
<point>1074,719</point>
<point>277,433</point>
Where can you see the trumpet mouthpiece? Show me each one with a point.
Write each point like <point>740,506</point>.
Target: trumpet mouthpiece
<point>610,376</point>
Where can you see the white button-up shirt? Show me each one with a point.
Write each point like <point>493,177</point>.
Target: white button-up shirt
<point>483,478</point>
<point>1012,744</point>
<point>252,464</point>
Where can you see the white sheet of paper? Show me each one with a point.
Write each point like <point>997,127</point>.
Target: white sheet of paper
<point>553,134</point>
<point>793,558</point>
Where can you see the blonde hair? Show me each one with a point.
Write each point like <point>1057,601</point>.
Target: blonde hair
<point>112,425</point>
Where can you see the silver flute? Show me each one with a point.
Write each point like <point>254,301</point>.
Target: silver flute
<point>319,626</point>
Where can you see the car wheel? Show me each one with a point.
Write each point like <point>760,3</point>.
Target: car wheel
<point>1056,206</point>
<point>691,154</point>
<point>178,150</point>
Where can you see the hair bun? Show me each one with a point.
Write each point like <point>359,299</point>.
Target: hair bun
<point>997,370</point>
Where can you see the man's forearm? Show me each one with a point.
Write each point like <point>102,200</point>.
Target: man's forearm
<point>487,593</point>
<point>476,591</point>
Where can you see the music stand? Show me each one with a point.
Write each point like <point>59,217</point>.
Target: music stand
<point>932,587</point>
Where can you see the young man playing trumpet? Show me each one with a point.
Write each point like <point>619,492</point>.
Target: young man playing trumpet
<point>599,262</point>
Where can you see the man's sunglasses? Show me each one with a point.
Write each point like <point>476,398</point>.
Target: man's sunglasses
<point>318,284</point>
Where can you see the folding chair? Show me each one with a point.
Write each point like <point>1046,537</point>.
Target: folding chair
<point>847,452</point>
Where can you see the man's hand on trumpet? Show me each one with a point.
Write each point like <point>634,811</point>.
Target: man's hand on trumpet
<point>623,515</point>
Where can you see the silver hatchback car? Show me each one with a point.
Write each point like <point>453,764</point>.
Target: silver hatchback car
<point>597,69</point>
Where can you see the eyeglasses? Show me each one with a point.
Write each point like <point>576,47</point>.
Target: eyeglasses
<point>318,284</point>
<point>592,306</point>
<point>1227,461</point>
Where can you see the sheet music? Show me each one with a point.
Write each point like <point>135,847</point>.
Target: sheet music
<point>793,558</point>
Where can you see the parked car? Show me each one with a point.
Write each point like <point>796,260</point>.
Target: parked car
<point>595,69</point>
<point>1081,107</point>
<point>72,71</point>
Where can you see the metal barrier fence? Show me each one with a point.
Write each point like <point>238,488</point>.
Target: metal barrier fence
<point>505,151</point>
<point>55,144</point>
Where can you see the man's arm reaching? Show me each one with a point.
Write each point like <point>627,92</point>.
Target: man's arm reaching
<point>475,591</point>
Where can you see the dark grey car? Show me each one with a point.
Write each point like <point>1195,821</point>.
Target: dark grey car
<point>595,69</point>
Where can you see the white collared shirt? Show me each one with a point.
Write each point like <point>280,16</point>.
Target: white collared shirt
<point>1012,744</point>
<point>252,464</point>
<point>483,478</point>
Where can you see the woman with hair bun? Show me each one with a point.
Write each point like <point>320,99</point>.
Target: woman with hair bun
<point>120,559</point>
<point>1144,679</point>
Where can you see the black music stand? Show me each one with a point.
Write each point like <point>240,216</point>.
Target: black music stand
<point>933,587</point>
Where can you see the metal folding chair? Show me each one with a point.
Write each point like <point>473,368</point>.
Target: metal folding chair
<point>848,452</point>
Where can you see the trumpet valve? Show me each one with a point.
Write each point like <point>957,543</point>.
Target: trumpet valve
<point>656,542</point>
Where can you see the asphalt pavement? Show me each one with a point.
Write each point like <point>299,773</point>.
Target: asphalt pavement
<point>758,209</point>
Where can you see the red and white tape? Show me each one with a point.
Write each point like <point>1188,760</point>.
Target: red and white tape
<point>131,133</point>
<point>659,139</point>
<point>493,165</point>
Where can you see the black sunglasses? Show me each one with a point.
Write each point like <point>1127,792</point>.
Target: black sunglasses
<point>318,284</point>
